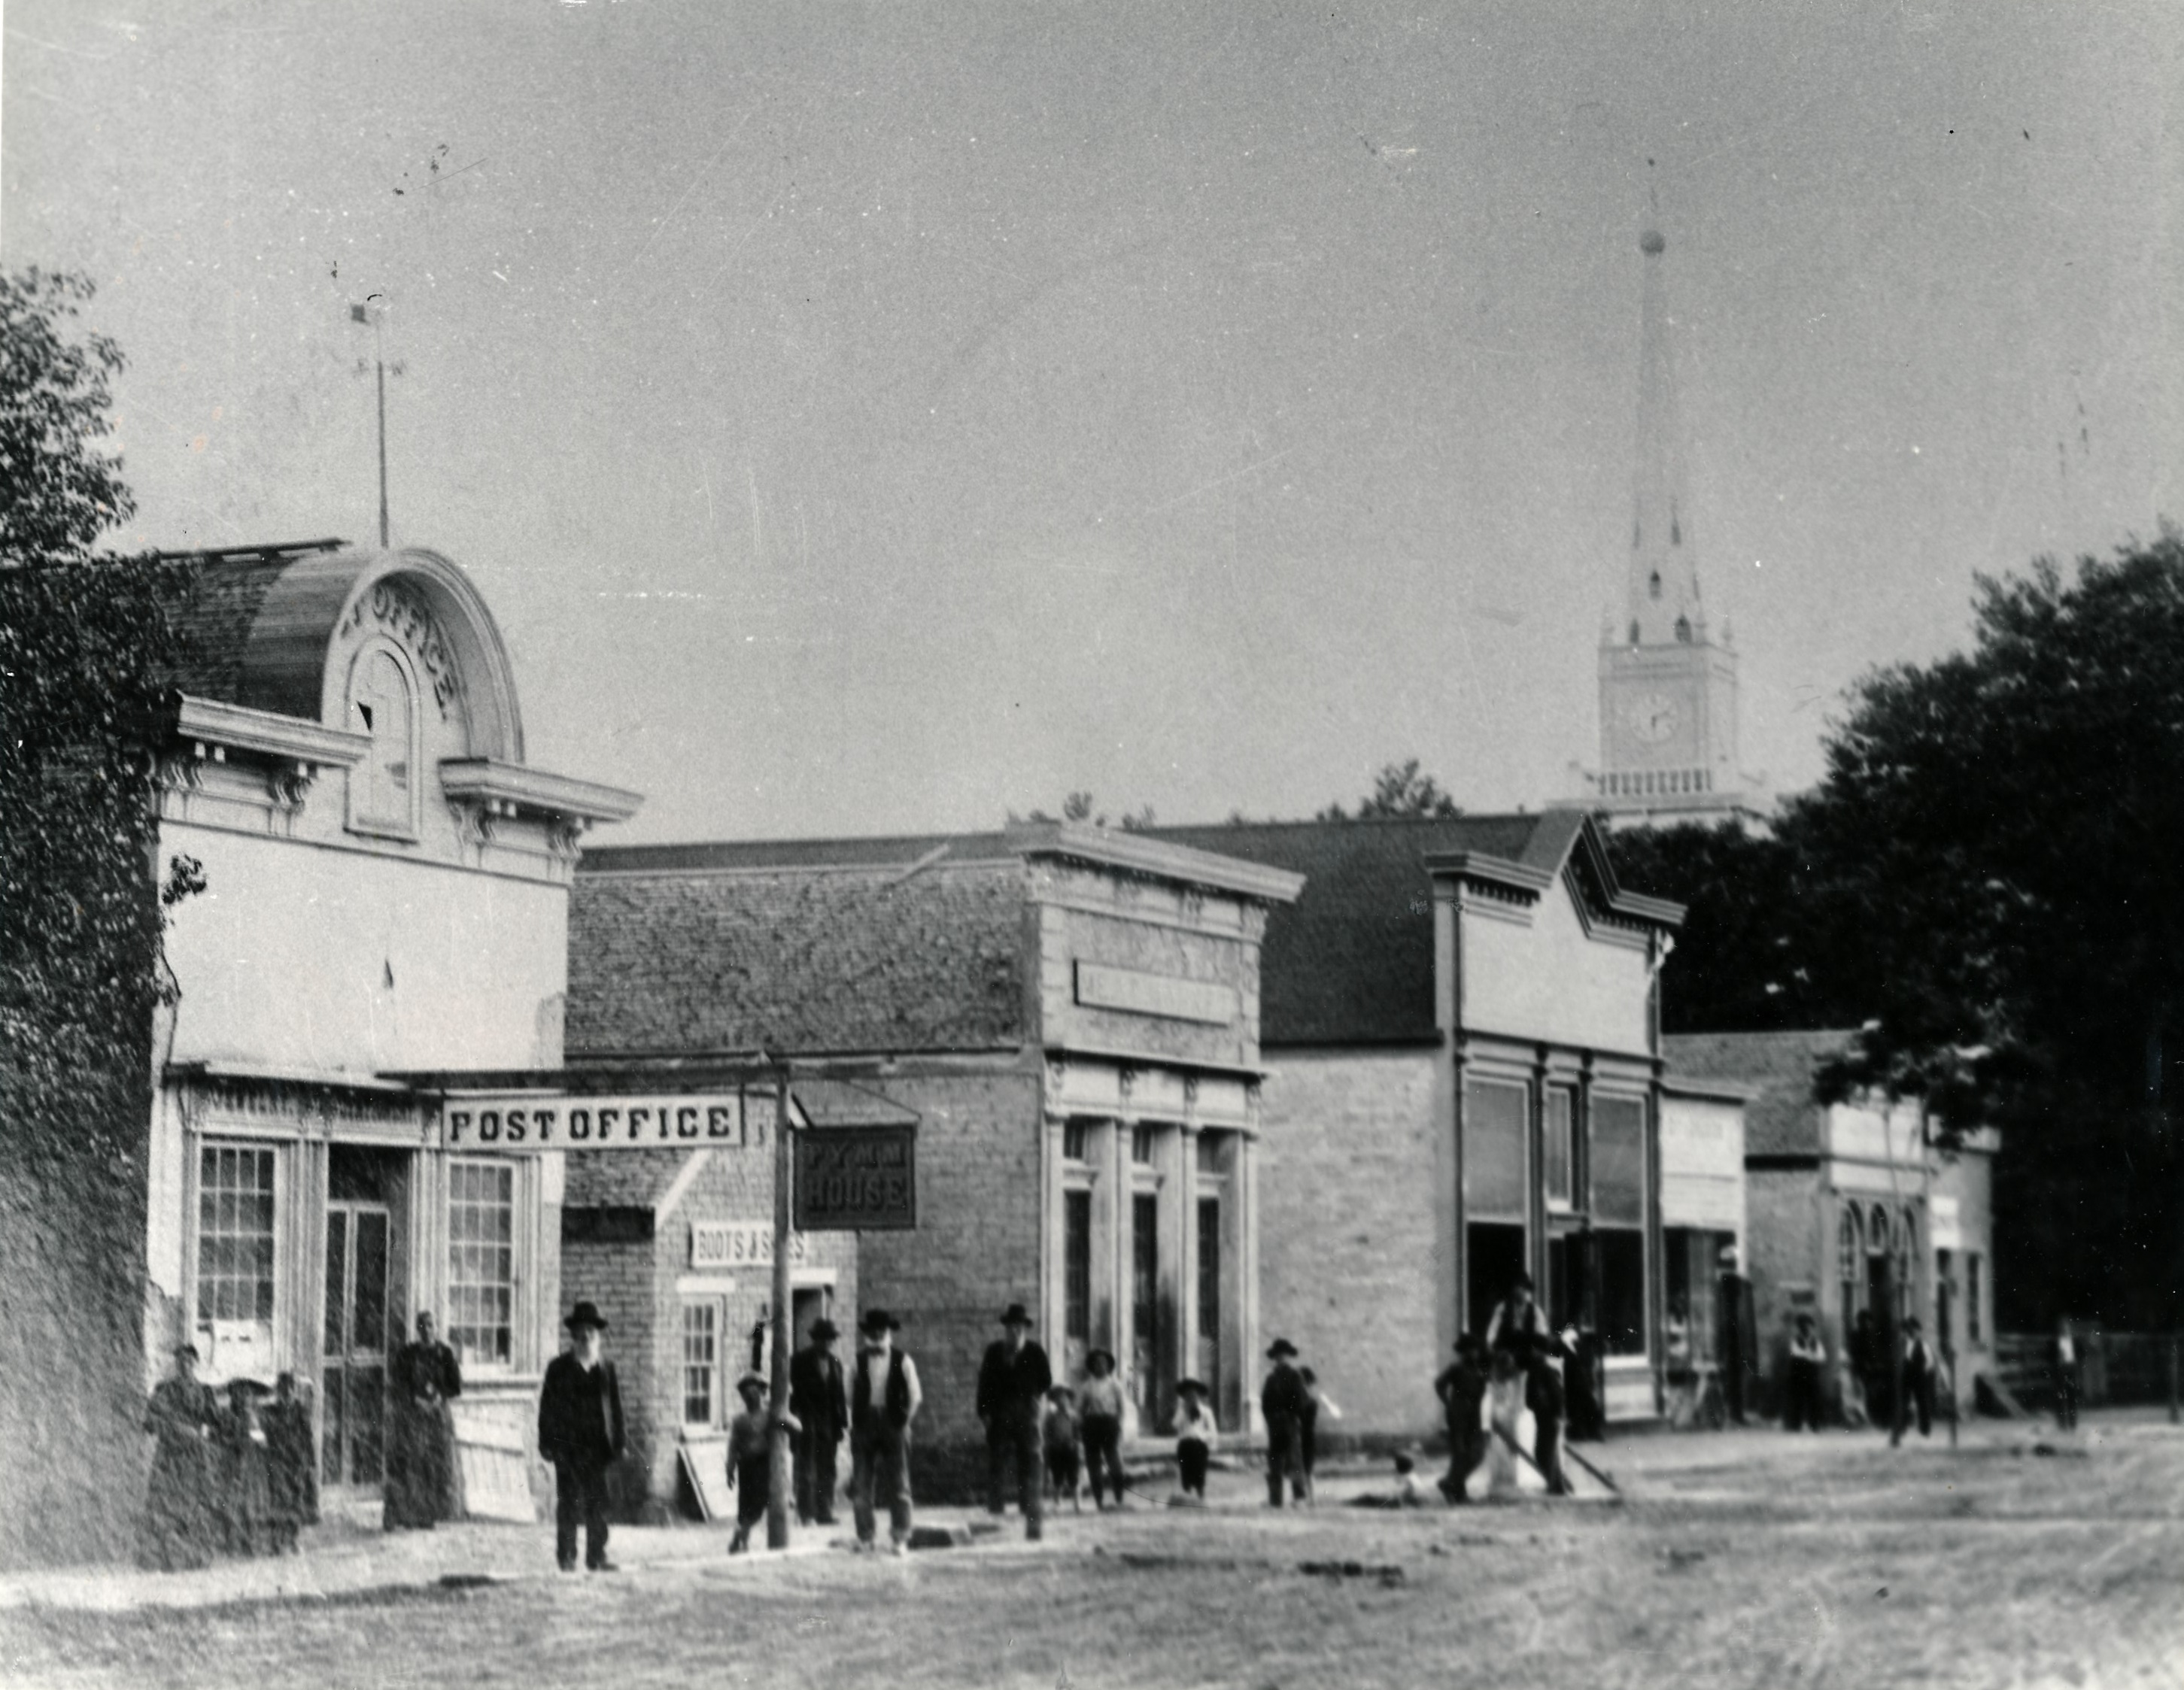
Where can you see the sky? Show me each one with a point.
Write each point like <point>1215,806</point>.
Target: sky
<point>870,419</point>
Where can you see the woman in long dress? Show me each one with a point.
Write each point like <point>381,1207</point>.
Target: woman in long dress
<point>1505,1398</point>
<point>246,1492</point>
<point>179,1527</point>
<point>421,1447</point>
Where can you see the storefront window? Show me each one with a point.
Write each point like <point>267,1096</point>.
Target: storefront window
<point>1076,1267</point>
<point>1557,1137</point>
<point>1494,1114</point>
<point>1618,1159</point>
<point>235,1257</point>
<point>701,1361</point>
<point>1850,1250</point>
<point>1622,1290</point>
<point>481,1260</point>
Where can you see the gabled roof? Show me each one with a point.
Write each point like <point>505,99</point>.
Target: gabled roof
<point>1351,962</point>
<point>1781,1117</point>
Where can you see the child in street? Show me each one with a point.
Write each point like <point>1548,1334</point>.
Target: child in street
<point>1194,1437</point>
<point>751,1461</point>
<point>1065,1463</point>
<point>1410,1491</point>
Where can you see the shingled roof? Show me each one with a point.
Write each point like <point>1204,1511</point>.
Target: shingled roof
<point>215,620</point>
<point>1781,1117</point>
<point>1351,962</point>
<point>683,951</point>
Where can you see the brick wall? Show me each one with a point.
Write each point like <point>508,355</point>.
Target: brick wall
<point>976,1250</point>
<point>1350,1268</point>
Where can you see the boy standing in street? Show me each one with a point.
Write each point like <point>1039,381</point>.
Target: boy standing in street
<point>751,1457</point>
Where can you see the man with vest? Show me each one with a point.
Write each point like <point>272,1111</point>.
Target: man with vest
<point>580,1432</point>
<point>1520,1327</point>
<point>1013,1381</point>
<point>821,1403</point>
<point>884,1400</point>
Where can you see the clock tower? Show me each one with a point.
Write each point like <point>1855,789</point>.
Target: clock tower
<point>1668,679</point>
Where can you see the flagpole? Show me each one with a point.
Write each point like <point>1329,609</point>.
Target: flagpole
<point>380,349</point>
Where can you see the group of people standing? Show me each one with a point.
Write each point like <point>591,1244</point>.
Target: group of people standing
<point>234,1477</point>
<point>1516,1364</point>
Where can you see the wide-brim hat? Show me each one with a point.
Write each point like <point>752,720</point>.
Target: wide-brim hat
<point>586,1314</point>
<point>878,1321</point>
<point>1197,1385</point>
<point>190,1350</point>
<point>1014,1315</point>
<point>825,1329</point>
<point>250,1387</point>
<point>1106,1355</point>
<point>1280,1347</point>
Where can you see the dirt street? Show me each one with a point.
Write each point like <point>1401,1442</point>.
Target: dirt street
<point>1743,1558</point>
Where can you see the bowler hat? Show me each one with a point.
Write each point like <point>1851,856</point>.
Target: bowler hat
<point>586,1314</point>
<point>879,1320</point>
<point>1096,1353</point>
<point>1014,1315</point>
<point>824,1328</point>
<point>1184,1386</point>
<point>1280,1347</point>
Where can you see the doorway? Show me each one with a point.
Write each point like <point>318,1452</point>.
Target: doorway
<point>354,1351</point>
<point>1494,1259</point>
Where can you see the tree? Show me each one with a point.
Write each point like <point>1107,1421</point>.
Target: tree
<point>2002,829</point>
<point>1752,956</point>
<point>1398,789</point>
<point>58,491</point>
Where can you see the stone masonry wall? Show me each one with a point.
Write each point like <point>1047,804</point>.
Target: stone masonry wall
<point>976,1250</point>
<point>1350,1268</point>
<point>1784,1255</point>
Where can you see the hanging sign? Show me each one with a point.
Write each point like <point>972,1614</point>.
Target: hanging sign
<point>856,1179</point>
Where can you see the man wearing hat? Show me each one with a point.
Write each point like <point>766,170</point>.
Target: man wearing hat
<point>579,1431</point>
<point>1013,1382</point>
<point>884,1398</point>
<point>1283,1400</point>
<point>820,1403</point>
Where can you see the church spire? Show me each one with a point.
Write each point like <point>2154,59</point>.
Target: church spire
<point>1664,608</point>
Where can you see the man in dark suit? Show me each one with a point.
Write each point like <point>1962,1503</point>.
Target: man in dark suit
<point>1921,1370</point>
<point>1013,1382</point>
<point>1283,1400</point>
<point>818,1399</point>
<point>579,1431</point>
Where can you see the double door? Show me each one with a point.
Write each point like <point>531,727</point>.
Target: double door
<point>354,1343</point>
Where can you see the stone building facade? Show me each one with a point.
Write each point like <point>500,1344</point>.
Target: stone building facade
<point>1460,1027</point>
<point>1071,1017</point>
<point>386,888</point>
<point>1847,1199</point>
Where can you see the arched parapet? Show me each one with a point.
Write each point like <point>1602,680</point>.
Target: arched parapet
<point>327,607</point>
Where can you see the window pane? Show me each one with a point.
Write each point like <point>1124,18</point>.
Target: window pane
<point>1622,1290</point>
<point>1619,1158</point>
<point>1494,1115</point>
<point>1076,1264</point>
<point>1561,1112</point>
<point>481,1259</point>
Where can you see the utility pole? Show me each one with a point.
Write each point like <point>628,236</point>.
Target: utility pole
<point>781,1475</point>
<point>375,317</point>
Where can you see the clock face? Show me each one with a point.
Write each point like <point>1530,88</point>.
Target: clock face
<point>1653,717</point>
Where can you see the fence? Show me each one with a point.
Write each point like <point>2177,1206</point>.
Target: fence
<point>2114,1368</point>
